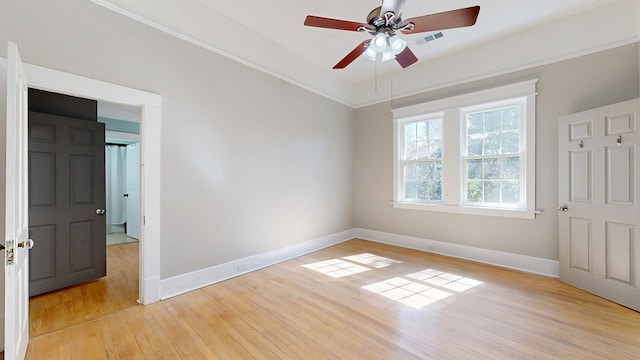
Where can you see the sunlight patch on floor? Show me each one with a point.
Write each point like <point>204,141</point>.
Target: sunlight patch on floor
<point>336,268</point>
<point>417,289</point>
<point>375,261</point>
<point>448,281</point>
<point>425,287</point>
<point>350,265</point>
<point>407,292</point>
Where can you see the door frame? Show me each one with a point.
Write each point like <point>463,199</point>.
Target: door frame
<point>150,124</point>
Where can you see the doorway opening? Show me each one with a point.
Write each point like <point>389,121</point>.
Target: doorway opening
<point>150,159</point>
<point>60,278</point>
<point>148,108</point>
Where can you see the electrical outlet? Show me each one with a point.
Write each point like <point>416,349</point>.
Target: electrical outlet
<point>242,267</point>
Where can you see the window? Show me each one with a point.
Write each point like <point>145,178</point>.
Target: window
<point>422,160</point>
<point>492,154</point>
<point>471,154</point>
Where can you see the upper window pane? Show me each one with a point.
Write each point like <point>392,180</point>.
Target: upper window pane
<point>423,140</point>
<point>493,131</point>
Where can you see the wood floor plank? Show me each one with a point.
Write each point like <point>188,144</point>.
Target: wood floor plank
<point>291,311</point>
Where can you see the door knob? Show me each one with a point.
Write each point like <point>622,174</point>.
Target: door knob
<point>563,208</point>
<point>101,211</point>
<point>26,244</point>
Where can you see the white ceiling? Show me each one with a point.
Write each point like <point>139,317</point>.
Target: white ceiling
<point>281,21</point>
<point>270,36</point>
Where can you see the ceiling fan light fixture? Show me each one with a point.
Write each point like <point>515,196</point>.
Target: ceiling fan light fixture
<point>388,54</point>
<point>397,44</point>
<point>370,54</point>
<point>379,43</point>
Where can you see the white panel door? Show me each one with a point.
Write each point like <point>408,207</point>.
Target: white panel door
<point>599,216</point>
<point>17,244</point>
<point>133,191</point>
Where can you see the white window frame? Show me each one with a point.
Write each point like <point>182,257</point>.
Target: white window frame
<point>452,110</point>
<point>401,161</point>
<point>521,102</point>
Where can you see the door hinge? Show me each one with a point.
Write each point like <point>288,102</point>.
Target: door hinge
<point>8,254</point>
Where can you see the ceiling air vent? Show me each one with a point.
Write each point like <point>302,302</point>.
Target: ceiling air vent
<point>429,38</point>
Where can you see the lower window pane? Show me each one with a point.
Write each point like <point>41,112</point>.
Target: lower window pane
<point>511,168</point>
<point>421,190</point>
<point>492,191</point>
<point>491,169</point>
<point>410,190</point>
<point>474,191</point>
<point>410,171</point>
<point>422,171</point>
<point>435,180</point>
<point>435,190</point>
<point>474,169</point>
<point>511,192</point>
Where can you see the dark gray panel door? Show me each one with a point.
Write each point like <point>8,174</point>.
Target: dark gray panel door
<point>66,187</point>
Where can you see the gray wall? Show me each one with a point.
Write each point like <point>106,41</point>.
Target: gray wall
<point>250,163</point>
<point>563,88</point>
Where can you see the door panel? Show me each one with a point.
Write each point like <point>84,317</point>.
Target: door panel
<point>620,172</point>
<point>620,124</point>
<point>580,243</point>
<point>80,259</point>
<point>67,158</point>
<point>619,241</point>
<point>46,236</point>
<point>599,241</point>
<point>43,166</point>
<point>16,220</point>
<point>581,176</point>
<point>81,179</point>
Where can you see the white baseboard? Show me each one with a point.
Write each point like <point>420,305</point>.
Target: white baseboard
<point>499,258</point>
<point>194,280</point>
<point>187,282</point>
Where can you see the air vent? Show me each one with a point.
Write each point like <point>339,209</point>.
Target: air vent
<point>429,38</point>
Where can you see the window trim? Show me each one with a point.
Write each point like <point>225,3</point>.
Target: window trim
<point>451,110</point>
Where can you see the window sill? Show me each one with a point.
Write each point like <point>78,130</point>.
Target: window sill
<point>468,210</point>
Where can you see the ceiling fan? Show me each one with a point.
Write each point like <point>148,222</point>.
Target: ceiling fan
<point>384,21</point>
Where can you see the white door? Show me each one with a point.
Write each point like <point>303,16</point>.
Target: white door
<point>599,216</point>
<point>133,191</point>
<point>16,262</point>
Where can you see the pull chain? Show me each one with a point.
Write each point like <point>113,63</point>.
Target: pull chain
<point>392,91</point>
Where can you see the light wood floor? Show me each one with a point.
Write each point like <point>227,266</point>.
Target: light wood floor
<point>63,308</point>
<point>412,305</point>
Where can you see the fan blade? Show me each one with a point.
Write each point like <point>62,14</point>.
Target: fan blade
<point>361,48</point>
<point>444,20</point>
<point>406,58</point>
<point>321,22</point>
